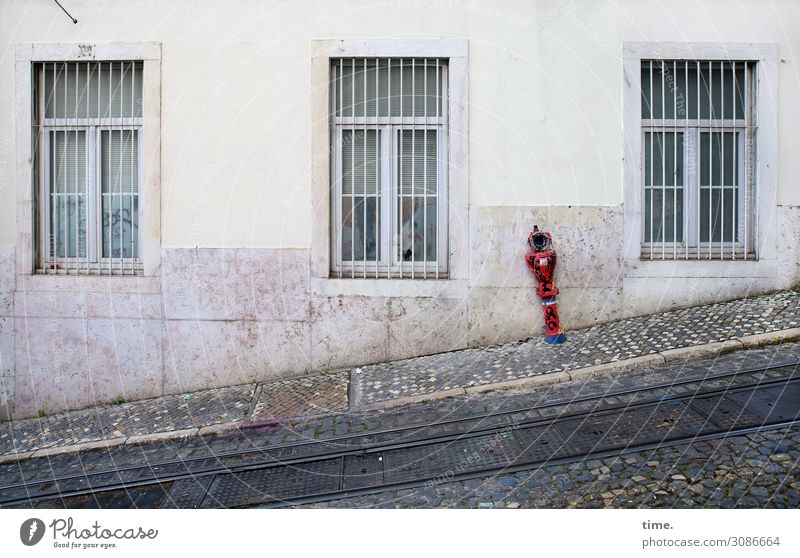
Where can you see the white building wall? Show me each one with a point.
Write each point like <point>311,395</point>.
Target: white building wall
<point>234,299</point>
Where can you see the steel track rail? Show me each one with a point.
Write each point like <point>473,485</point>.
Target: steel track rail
<point>515,468</point>
<point>355,436</point>
<point>606,451</point>
<point>375,447</point>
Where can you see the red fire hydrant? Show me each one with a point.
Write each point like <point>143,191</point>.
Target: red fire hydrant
<point>541,261</point>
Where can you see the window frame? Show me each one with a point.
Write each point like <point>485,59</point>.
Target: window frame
<point>27,57</point>
<point>323,280</point>
<point>691,130</point>
<point>94,263</point>
<point>764,188</point>
<point>389,130</point>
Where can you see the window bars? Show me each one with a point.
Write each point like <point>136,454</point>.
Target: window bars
<point>698,144</point>
<point>87,141</point>
<point>389,167</point>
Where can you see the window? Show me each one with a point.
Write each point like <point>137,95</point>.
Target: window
<point>389,167</point>
<point>88,137</point>
<point>698,153</point>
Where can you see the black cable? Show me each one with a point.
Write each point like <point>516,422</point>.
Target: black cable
<point>65,11</point>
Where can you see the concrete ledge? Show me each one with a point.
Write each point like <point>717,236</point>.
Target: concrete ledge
<point>521,383</point>
<point>15,457</point>
<point>162,436</point>
<point>217,429</point>
<point>770,338</point>
<point>74,448</point>
<point>400,401</point>
<point>702,351</point>
<point>617,366</point>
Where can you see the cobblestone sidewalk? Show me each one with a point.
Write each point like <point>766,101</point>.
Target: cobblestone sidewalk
<point>335,392</point>
<point>600,344</point>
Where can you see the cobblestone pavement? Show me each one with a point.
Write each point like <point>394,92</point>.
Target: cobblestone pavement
<point>164,414</point>
<point>331,393</point>
<point>734,472</point>
<point>755,471</point>
<point>599,344</point>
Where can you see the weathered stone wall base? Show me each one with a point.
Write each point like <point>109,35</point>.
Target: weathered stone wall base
<point>7,368</point>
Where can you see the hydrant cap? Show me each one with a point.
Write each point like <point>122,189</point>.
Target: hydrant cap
<point>539,240</point>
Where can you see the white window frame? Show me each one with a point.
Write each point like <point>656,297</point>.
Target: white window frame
<point>745,124</point>
<point>323,280</point>
<point>389,130</point>
<point>93,262</point>
<point>27,56</point>
<point>764,195</point>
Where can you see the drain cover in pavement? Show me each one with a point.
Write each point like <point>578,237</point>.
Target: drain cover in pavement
<point>772,404</point>
<point>451,458</point>
<point>273,484</point>
<point>724,413</point>
<point>542,443</point>
<point>361,471</point>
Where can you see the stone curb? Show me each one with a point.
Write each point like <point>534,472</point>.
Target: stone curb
<point>221,428</point>
<point>182,434</point>
<point>162,436</point>
<point>586,372</point>
<point>14,457</point>
<point>74,448</point>
<point>400,401</point>
<point>771,338</point>
<point>521,383</point>
<point>701,351</point>
<point>626,365</point>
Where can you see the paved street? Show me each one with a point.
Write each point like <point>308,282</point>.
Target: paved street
<point>753,470</point>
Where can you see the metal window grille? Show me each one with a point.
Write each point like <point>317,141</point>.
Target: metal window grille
<point>88,137</point>
<point>389,167</point>
<point>698,146</point>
